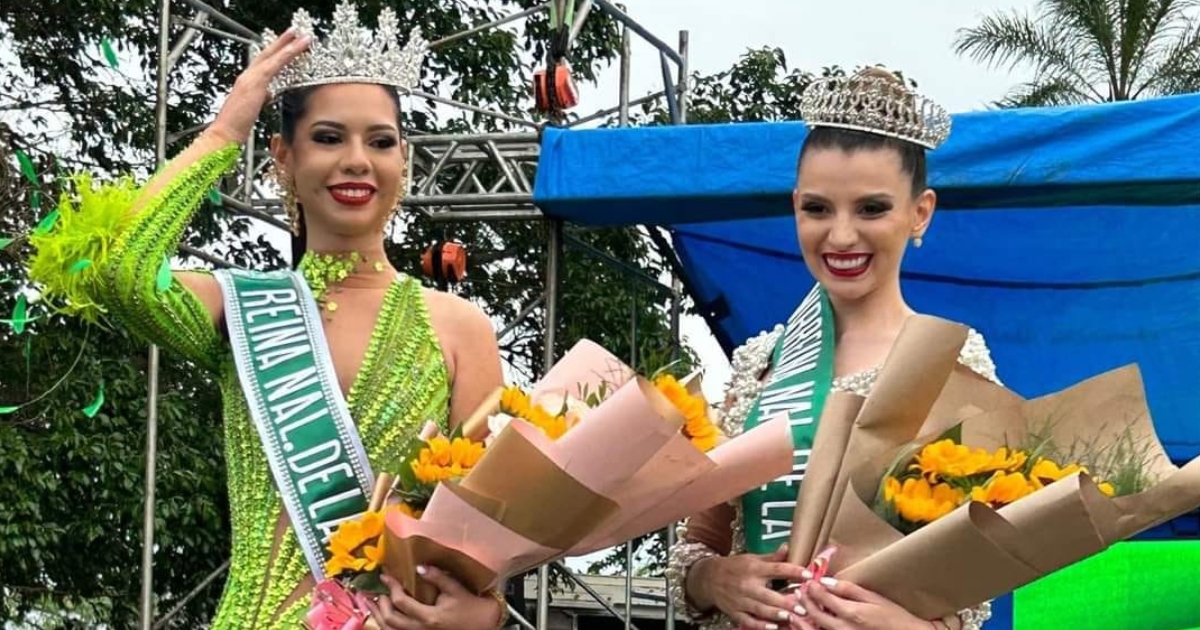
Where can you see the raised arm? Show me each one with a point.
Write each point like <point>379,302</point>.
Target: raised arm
<point>125,232</point>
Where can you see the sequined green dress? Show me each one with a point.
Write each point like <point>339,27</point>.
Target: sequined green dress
<point>402,382</point>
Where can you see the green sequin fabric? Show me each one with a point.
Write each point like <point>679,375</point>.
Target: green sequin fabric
<point>403,382</point>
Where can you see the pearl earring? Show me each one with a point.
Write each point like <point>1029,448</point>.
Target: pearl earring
<point>917,242</point>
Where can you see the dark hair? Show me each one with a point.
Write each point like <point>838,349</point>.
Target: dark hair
<point>293,104</point>
<point>912,156</point>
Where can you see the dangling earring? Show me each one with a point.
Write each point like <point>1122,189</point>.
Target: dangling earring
<point>395,212</point>
<point>917,242</point>
<point>400,195</point>
<point>288,187</point>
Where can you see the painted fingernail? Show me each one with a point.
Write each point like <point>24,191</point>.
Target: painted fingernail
<point>829,582</point>
<point>800,610</point>
<point>772,626</point>
<point>783,615</point>
<point>421,570</point>
<point>806,574</point>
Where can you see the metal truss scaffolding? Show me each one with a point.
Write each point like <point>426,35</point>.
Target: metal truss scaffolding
<point>458,177</point>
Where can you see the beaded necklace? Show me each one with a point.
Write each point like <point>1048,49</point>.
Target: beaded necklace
<point>324,272</point>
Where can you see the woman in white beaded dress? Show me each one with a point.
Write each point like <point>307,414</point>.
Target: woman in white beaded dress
<point>860,197</point>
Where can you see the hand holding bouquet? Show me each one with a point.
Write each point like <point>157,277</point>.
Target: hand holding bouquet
<point>941,490</point>
<point>590,457</point>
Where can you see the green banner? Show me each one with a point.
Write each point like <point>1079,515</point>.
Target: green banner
<point>802,373</point>
<point>312,445</point>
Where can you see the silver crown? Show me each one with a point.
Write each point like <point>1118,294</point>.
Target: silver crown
<point>351,53</point>
<point>878,105</point>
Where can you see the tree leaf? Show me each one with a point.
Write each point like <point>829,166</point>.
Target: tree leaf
<point>19,316</point>
<point>6,241</point>
<point>79,265</point>
<point>163,282</point>
<point>46,224</point>
<point>214,197</point>
<point>91,410</point>
<point>35,200</point>
<point>7,410</point>
<point>110,55</point>
<point>27,167</point>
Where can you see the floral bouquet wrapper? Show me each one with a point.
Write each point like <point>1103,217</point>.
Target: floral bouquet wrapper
<point>979,551</point>
<point>531,499</point>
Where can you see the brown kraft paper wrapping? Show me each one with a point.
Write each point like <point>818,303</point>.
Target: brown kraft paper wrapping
<point>977,553</point>
<point>402,556</point>
<point>525,482</point>
<point>822,477</point>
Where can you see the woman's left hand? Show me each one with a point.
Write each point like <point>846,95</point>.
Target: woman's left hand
<point>456,608</point>
<point>831,604</point>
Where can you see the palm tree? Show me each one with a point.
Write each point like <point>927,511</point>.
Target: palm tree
<point>1086,51</point>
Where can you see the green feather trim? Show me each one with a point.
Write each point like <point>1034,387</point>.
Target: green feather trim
<point>89,222</point>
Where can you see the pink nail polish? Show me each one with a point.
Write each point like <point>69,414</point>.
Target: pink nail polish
<point>421,570</point>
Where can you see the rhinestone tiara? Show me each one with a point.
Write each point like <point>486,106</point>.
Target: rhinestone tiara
<point>875,104</point>
<point>351,53</point>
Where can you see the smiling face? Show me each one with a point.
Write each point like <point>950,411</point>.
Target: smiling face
<point>855,211</point>
<point>346,157</point>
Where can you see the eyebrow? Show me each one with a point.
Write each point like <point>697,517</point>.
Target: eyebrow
<point>880,196</point>
<point>340,127</point>
<point>807,196</point>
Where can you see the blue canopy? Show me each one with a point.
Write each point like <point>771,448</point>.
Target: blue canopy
<point>1136,153</point>
<point>1067,236</point>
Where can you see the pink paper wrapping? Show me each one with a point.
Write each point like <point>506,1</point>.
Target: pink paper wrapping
<point>622,471</point>
<point>584,367</point>
<point>743,462</point>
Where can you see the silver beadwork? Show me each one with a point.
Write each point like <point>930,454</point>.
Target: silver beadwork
<point>973,618</point>
<point>351,53</point>
<point>874,104</point>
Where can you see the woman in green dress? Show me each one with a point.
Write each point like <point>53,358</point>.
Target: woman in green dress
<point>395,355</point>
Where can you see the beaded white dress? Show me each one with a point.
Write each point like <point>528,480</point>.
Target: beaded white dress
<point>745,386</point>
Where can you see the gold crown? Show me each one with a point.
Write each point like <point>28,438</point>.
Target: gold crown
<point>351,53</point>
<point>874,101</point>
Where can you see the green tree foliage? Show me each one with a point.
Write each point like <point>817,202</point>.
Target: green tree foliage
<point>1085,51</point>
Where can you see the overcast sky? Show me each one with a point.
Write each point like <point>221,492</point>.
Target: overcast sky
<point>915,37</point>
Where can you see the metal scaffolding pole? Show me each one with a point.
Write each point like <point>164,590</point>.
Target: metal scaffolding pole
<point>554,249</point>
<point>160,156</point>
<point>676,306</point>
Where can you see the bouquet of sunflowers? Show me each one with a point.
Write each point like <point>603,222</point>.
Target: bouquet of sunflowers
<point>356,559</point>
<point>946,474</point>
<point>591,456</point>
<point>942,490</point>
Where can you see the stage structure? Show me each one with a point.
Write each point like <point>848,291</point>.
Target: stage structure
<point>492,175</point>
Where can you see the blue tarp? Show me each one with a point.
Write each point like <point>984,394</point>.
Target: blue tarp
<point>1138,153</point>
<point>1070,237</point>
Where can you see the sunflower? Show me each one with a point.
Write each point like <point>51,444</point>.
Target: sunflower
<point>516,403</point>
<point>918,501</point>
<point>363,534</point>
<point>697,426</point>
<point>1046,472</point>
<point>1003,488</point>
<point>443,459</point>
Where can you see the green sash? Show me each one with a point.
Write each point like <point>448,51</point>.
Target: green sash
<point>800,380</point>
<point>311,442</point>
